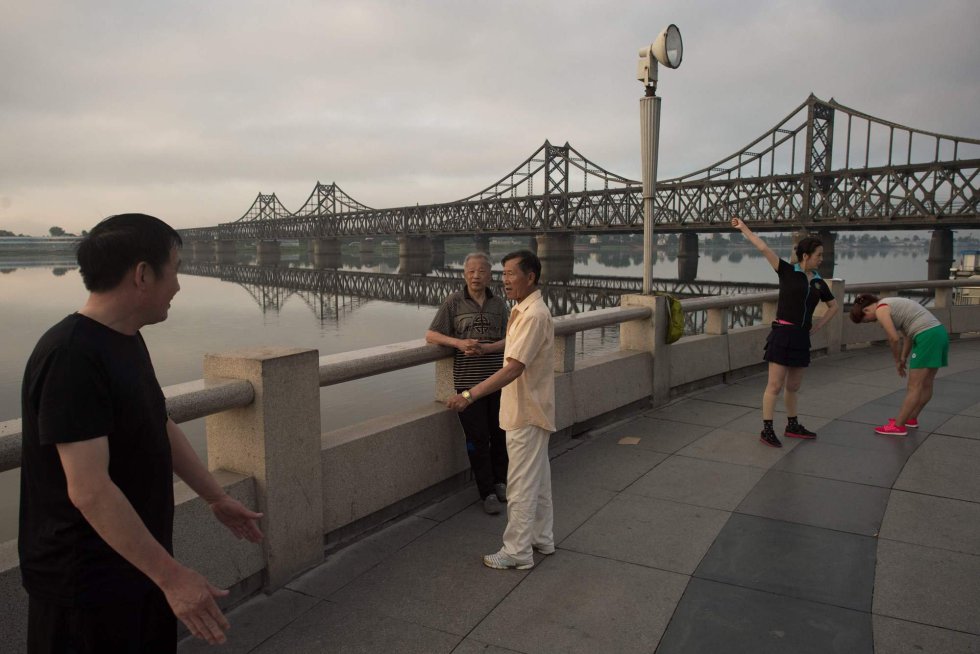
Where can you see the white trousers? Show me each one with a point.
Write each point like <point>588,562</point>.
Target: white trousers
<point>530,517</point>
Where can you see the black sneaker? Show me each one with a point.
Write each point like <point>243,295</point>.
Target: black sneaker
<point>768,437</point>
<point>799,431</point>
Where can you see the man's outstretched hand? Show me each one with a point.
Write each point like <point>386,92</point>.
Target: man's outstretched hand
<point>240,520</point>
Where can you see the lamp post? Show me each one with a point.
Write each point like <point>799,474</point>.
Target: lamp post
<point>668,50</point>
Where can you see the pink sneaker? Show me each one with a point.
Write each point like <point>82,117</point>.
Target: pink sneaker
<point>891,429</point>
<point>911,424</point>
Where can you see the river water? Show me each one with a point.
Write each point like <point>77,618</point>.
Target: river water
<point>211,315</point>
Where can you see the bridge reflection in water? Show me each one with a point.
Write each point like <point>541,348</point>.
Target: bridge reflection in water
<point>329,293</point>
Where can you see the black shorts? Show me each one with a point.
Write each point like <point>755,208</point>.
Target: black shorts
<point>788,345</point>
<point>139,627</point>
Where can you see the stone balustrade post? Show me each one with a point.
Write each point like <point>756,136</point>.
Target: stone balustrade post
<point>769,311</point>
<point>445,384</point>
<point>275,440</point>
<point>943,298</point>
<point>649,336</point>
<point>717,322</point>
<point>565,353</point>
<point>835,327</point>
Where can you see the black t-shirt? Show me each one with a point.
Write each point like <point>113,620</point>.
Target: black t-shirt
<point>83,381</point>
<point>798,296</point>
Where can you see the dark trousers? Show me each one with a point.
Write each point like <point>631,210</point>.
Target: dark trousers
<point>486,443</point>
<point>146,626</point>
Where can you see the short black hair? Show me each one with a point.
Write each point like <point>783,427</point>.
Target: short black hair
<point>120,242</point>
<point>807,245</point>
<point>528,262</point>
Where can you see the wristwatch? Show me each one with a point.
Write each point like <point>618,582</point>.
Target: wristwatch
<point>467,396</point>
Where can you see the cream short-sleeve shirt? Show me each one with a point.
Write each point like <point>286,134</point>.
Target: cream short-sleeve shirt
<point>530,399</point>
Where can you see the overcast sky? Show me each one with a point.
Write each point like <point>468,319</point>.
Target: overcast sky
<point>188,109</point>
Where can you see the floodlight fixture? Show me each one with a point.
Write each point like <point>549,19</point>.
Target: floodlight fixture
<point>667,49</point>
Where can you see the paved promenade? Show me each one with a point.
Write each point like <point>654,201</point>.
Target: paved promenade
<point>678,531</point>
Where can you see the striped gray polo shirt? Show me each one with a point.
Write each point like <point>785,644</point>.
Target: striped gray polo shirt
<point>461,317</point>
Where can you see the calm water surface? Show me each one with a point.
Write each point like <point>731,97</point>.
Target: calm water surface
<point>211,315</point>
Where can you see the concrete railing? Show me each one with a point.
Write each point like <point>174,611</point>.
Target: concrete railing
<point>262,414</point>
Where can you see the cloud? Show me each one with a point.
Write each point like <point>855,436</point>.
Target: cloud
<point>189,109</point>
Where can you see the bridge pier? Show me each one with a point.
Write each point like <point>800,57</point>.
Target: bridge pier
<point>414,255</point>
<point>532,244</point>
<point>940,253</point>
<point>267,252</point>
<point>481,243</point>
<point>687,257</point>
<point>438,249</point>
<point>200,248</point>
<point>367,245</point>
<point>328,260</point>
<point>324,247</point>
<point>557,253</point>
<point>225,251</point>
<point>829,240</point>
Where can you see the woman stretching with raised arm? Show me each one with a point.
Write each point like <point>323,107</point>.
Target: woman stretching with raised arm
<point>788,346</point>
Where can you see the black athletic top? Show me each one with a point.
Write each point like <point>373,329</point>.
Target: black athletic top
<point>85,380</point>
<point>798,297</point>
<point>461,317</point>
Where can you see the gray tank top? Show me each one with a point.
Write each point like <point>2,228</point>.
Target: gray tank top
<point>909,316</point>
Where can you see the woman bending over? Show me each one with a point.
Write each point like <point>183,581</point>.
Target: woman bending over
<point>788,346</point>
<point>924,350</point>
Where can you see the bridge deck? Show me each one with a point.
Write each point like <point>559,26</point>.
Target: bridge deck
<point>695,539</point>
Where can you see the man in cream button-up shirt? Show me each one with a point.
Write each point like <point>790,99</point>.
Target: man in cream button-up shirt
<point>527,413</point>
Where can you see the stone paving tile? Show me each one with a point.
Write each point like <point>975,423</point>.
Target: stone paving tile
<point>449,506</point>
<point>698,481</point>
<point>933,522</point>
<point>948,397</point>
<point>928,585</point>
<point>852,464</point>
<point>833,401</point>
<point>255,621</point>
<point>438,580</point>
<point>862,436</point>
<point>713,618</point>
<point>647,531</point>
<point>752,423</point>
<point>330,627</point>
<point>471,646</point>
<point>827,503</point>
<point>612,467</point>
<point>579,603</point>
<point>965,376</point>
<point>574,503</point>
<point>342,567</point>
<point>701,412</point>
<point>900,637</point>
<point>945,466</point>
<point>885,378</point>
<point>740,448</point>
<point>666,436</point>
<point>962,426</point>
<point>972,410</point>
<point>794,560</point>
<point>739,394</point>
<point>876,413</point>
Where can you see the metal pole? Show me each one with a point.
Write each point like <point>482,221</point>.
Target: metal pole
<point>649,145</point>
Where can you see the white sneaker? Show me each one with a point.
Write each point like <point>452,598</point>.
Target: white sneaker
<point>501,561</point>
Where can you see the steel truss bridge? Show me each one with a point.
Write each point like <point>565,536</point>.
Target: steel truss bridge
<point>328,293</point>
<point>823,167</point>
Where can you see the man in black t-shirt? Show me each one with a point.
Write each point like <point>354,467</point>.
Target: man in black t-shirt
<point>473,321</point>
<point>99,454</point>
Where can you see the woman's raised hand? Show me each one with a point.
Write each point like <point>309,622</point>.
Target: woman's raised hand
<point>737,223</point>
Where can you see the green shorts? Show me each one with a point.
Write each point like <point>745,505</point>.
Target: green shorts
<point>930,349</point>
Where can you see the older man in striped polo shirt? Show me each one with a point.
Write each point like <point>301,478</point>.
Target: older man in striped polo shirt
<point>473,321</point>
